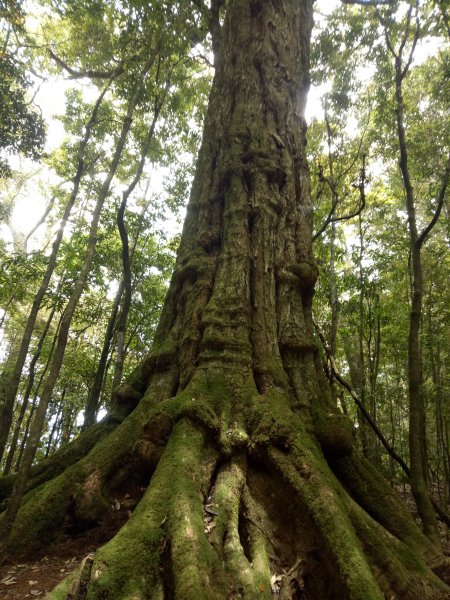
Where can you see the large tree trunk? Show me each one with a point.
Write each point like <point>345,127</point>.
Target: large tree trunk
<point>250,468</point>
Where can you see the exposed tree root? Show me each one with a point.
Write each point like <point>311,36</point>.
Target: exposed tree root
<point>127,397</point>
<point>63,458</point>
<point>252,486</point>
<point>162,551</point>
<point>262,514</point>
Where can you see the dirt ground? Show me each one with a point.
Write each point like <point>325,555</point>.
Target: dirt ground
<point>34,576</point>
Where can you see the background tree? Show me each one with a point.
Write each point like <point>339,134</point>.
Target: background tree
<point>231,410</point>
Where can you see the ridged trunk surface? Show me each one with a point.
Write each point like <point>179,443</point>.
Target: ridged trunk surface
<point>252,485</point>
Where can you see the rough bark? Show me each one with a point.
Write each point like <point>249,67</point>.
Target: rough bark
<point>235,424</point>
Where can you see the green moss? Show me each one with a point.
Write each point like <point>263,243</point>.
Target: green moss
<point>316,487</point>
<point>270,420</point>
<point>63,458</point>
<point>334,432</point>
<point>41,515</point>
<point>380,501</point>
<point>61,591</point>
<point>272,368</point>
<point>129,565</point>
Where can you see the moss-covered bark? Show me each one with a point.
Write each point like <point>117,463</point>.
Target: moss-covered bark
<point>252,486</point>
<point>62,459</point>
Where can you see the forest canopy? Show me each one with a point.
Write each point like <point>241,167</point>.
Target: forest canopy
<point>310,279</point>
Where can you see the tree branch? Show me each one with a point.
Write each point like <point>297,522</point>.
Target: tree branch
<point>82,74</point>
<point>368,2</point>
<point>333,373</point>
<point>441,197</point>
<point>413,47</point>
<point>406,32</point>
<point>42,219</point>
<point>361,206</point>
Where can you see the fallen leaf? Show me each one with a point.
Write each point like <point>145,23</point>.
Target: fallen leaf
<point>209,510</point>
<point>31,582</point>
<point>209,527</point>
<point>275,583</point>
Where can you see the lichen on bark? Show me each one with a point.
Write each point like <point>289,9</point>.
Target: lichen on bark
<point>252,483</point>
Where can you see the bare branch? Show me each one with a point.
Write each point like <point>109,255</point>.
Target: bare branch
<point>406,32</point>
<point>368,2</point>
<point>411,53</point>
<point>361,206</point>
<point>82,74</point>
<point>333,374</point>
<point>42,219</point>
<point>327,221</point>
<point>385,24</point>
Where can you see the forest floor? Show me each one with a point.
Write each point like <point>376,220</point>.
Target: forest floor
<point>34,576</point>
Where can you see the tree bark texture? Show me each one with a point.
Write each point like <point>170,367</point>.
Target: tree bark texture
<point>252,484</point>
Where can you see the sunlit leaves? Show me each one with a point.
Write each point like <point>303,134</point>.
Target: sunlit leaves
<point>22,128</point>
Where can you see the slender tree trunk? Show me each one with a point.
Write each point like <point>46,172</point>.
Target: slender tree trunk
<point>49,384</point>
<point>67,422</point>
<point>26,396</point>
<point>7,406</point>
<point>56,424</point>
<point>23,442</point>
<point>417,429</point>
<point>91,407</point>
<point>35,398</point>
<point>235,421</point>
<point>125,285</point>
<point>126,256</point>
<point>361,356</point>
<point>442,441</point>
<point>374,364</point>
<point>334,298</point>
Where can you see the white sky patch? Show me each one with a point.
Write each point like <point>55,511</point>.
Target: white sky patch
<point>51,100</point>
<point>314,108</point>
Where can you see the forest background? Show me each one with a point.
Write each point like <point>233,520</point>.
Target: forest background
<point>83,283</point>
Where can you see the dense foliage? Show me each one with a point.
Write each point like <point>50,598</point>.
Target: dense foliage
<point>136,76</point>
